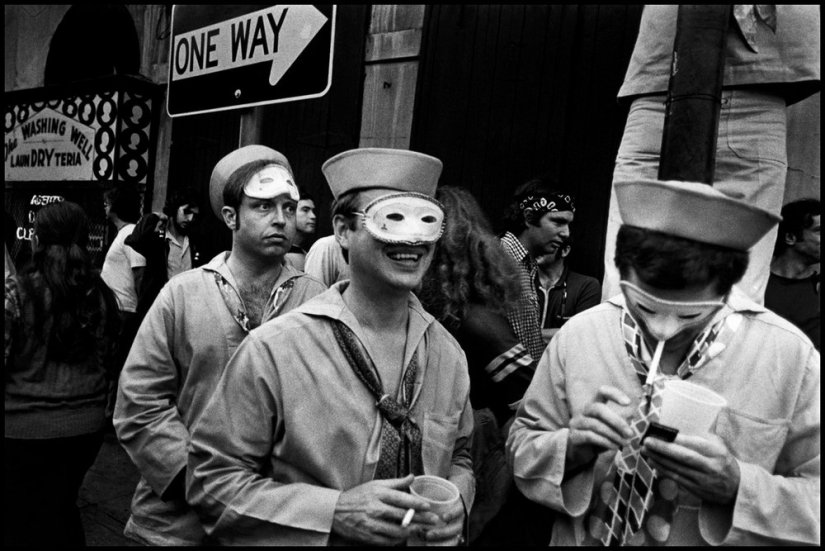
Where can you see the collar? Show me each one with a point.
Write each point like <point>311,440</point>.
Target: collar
<point>218,264</point>
<point>330,304</point>
<point>515,247</point>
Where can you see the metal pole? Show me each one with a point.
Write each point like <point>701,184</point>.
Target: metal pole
<point>252,121</point>
<point>694,94</point>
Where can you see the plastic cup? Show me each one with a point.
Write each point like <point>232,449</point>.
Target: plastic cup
<point>441,495</point>
<point>691,408</point>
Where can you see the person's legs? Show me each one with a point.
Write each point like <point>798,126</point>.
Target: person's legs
<point>750,165</point>
<point>42,480</point>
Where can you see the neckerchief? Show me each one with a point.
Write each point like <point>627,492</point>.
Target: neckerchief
<point>400,435</point>
<point>635,506</point>
<point>233,301</point>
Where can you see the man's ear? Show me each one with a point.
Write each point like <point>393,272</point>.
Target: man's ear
<point>230,217</point>
<point>790,239</point>
<point>341,227</point>
<point>529,217</point>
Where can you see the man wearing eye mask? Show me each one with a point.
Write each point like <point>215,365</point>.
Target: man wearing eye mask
<point>323,416</point>
<point>576,445</point>
<point>190,332</point>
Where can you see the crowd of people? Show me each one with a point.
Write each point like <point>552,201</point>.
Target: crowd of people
<point>281,394</point>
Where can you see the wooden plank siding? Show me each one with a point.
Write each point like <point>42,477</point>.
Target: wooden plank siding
<point>308,132</point>
<point>509,92</point>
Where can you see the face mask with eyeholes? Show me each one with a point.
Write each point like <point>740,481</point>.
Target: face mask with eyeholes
<point>665,318</point>
<point>405,218</point>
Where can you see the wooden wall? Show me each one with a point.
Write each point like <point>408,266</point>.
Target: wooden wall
<point>506,93</point>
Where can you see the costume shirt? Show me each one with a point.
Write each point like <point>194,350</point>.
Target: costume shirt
<point>177,357</point>
<point>769,374</point>
<point>325,261</point>
<point>787,60</point>
<point>117,270</point>
<point>291,426</point>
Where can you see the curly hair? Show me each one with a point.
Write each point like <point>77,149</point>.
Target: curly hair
<point>669,262</point>
<point>469,265</point>
<point>63,287</point>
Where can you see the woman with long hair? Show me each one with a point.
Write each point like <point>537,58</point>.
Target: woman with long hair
<point>60,327</point>
<point>468,288</point>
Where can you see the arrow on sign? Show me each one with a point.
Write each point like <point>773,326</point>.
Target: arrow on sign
<point>278,34</point>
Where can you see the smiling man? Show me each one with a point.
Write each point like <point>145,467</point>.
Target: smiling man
<point>576,444</point>
<point>198,320</point>
<point>537,224</point>
<point>323,416</point>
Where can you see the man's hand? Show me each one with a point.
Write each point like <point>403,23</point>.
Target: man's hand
<point>162,219</point>
<point>449,531</point>
<point>601,426</point>
<point>703,466</point>
<point>372,512</point>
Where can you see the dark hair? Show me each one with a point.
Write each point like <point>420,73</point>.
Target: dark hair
<point>63,286</point>
<point>469,265</point>
<point>305,195</point>
<point>180,197</point>
<point>796,218</point>
<point>668,262</point>
<point>513,219</point>
<point>124,200</point>
<point>346,205</point>
<point>233,190</point>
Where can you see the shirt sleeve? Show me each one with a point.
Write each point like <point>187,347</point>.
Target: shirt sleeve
<point>225,483</point>
<point>146,418</point>
<point>537,443</point>
<point>461,469</point>
<point>782,506</point>
<point>492,345</point>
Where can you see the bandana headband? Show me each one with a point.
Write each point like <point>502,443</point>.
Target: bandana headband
<point>547,203</point>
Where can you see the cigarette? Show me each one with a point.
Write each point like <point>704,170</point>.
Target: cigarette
<point>654,364</point>
<point>407,518</point>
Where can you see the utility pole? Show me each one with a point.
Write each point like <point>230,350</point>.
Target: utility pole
<point>694,94</point>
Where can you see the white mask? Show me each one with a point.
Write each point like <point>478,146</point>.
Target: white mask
<point>665,318</point>
<point>270,182</point>
<point>408,218</point>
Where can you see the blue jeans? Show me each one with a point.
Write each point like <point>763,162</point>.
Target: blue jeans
<point>751,164</point>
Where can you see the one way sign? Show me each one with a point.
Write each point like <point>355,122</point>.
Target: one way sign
<point>227,57</point>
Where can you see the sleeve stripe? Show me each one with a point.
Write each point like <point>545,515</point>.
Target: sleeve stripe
<point>508,362</point>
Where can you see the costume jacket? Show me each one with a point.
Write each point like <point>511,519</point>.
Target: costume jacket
<point>291,426</point>
<point>770,375</point>
<point>174,365</point>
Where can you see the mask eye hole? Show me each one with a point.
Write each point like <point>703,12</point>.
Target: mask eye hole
<point>690,316</point>
<point>429,219</point>
<point>645,309</point>
<point>395,217</point>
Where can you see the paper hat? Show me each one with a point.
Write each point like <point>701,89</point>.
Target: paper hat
<point>382,168</point>
<point>693,211</point>
<point>232,162</point>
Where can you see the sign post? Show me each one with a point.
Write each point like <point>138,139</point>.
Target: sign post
<point>230,57</point>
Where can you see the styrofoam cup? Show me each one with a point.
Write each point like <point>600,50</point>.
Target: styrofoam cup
<point>441,495</point>
<point>691,408</point>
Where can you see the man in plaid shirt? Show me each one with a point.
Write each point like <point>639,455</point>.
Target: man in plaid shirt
<point>537,223</point>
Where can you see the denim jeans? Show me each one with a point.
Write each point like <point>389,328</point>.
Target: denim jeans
<point>751,164</point>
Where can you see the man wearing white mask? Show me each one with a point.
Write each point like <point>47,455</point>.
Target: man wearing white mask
<point>193,327</point>
<point>324,415</point>
<point>577,444</point>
